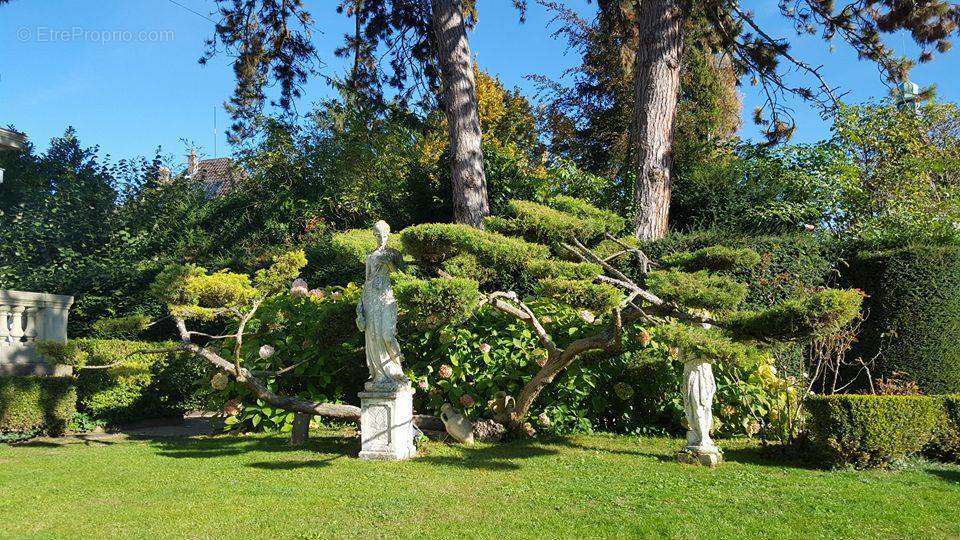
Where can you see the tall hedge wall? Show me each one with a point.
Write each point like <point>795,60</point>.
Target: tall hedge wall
<point>913,311</point>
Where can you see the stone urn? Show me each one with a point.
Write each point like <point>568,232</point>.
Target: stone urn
<point>457,425</point>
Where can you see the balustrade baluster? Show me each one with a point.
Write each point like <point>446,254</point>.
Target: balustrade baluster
<point>31,316</point>
<point>4,324</point>
<point>16,323</point>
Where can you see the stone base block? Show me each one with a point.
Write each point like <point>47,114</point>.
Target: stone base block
<point>697,456</point>
<point>386,425</point>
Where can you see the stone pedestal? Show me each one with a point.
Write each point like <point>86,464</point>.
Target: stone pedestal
<point>710,457</point>
<point>386,425</point>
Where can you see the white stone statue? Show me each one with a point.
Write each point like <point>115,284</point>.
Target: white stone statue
<point>699,389</point>
<point>377,317</point>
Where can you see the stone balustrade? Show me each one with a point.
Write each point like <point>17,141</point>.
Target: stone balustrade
<point>25,318</point>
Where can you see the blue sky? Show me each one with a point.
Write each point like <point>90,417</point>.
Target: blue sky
<point>124,73</point>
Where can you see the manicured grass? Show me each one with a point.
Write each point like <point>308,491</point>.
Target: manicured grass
<point>586,487</point>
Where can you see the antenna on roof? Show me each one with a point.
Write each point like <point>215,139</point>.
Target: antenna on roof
<point>214,131</point>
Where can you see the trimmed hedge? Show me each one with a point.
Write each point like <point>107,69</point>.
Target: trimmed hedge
<point>36,404</point>
<point>945,445</point>
<point>914,313</point>
<point>872,431</point>
<point>143,386</point>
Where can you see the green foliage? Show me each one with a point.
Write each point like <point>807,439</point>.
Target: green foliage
<point>708,344</point>
<point>701,290</point>
<point>596,297</point>
<point>430,302</point>
<point>758,189</point>
<point>492,352</point>
<point>36,404</point>
<point>561,219</point>
<point>121,327</point>
<point>906,187</point>
<point>137,386</point>
<point>284,269</point>
<point>914,313</point>
<point>871,431</point>
<point>821,313</point>
<point>326,365</point>
<point>714,259</point>
<point>502,258</point>
<point>610,221</point>
<point>553,268</point>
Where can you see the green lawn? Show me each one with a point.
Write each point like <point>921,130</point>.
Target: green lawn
<point>587,487</point>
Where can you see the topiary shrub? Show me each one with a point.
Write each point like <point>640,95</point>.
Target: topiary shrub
<point>913,306</point>
<point>700,290</point>
<point>789,265</point>
<point>33,405</point>
<point>871,431</point>
<point>559,220</point>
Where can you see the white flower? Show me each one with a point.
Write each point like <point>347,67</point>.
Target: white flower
<point>485,348</point>
<point>587,317</point>
<point>266,351</point>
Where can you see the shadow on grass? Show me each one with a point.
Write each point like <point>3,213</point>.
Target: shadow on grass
<point>494,457</point>
<point>773,456</point>
<point>947,475</point>
<point>213,447</point>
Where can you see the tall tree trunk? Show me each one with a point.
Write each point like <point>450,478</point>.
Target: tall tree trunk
<point>657,87</point>
<point>470,203</point>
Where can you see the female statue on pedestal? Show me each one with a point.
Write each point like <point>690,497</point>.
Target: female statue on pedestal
<point>377,317</point>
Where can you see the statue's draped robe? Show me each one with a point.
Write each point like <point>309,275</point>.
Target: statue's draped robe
<point>698,400</point>
<point>379,309</point>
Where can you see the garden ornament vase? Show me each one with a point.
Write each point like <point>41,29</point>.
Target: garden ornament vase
<point>377,317</point>
<point>457,425</point>
<point>501,405</point>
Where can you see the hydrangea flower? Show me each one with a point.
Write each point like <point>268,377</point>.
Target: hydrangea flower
<point>446,371</point>
<point>485,348</point>
<point>467,400</point>
<point>543,419</point>
<point>266,351</point>
<point>219,381</point>
<point>299,288</point>
<point>587,317</point>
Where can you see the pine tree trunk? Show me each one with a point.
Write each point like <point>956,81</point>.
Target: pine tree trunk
<point>470,204</point>
<point>657,88</point>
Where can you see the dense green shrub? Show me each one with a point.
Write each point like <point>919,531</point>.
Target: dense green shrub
<point>913,302</point>
<point>138,386</point>
<point>30,405</point>
<point>945,445</point>
<point>871,431</point>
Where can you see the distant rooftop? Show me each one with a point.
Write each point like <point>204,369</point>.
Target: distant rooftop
<point>218,175</point>
<point>12,140</point>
